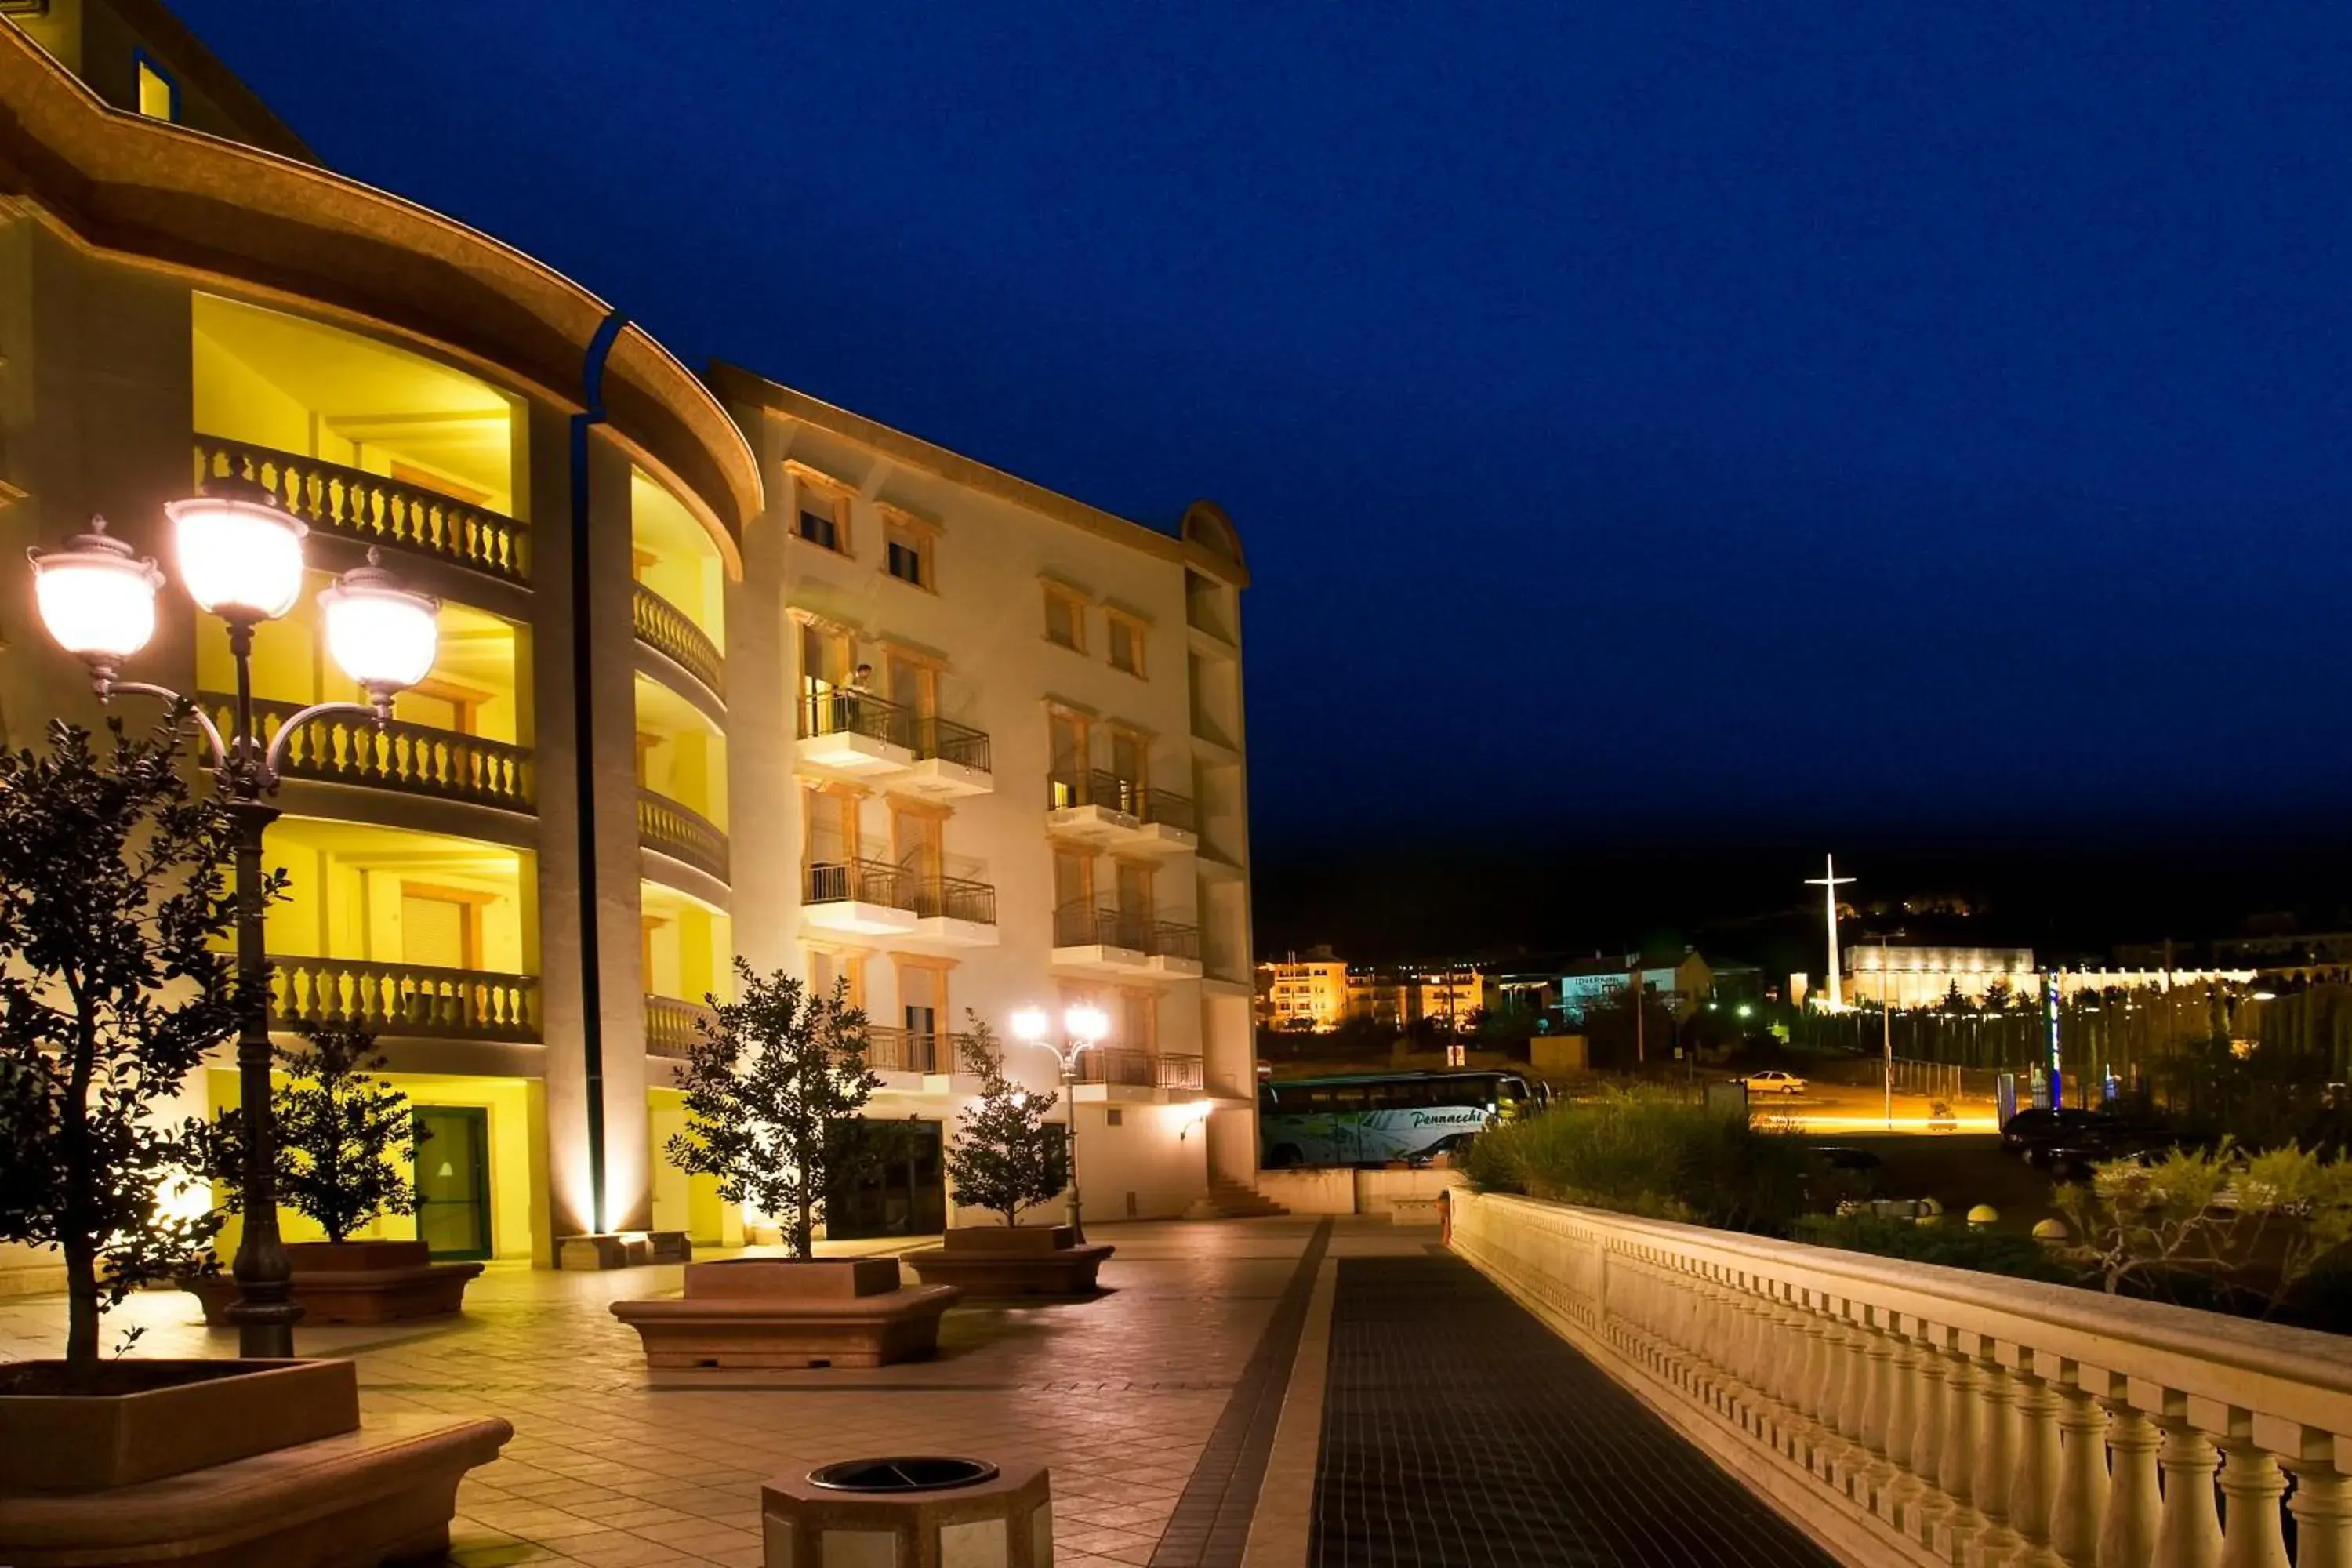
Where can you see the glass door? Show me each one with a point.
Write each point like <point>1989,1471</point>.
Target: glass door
<point>452,1178</point>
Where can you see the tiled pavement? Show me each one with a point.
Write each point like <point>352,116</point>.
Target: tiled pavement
<point>1459,1431</point>
<point>1119,1395</point>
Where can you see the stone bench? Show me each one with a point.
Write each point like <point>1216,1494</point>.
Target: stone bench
<point>383,1493</point>
<point>1415,1211</point>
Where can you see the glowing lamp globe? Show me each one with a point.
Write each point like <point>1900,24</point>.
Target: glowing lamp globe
<point>1029,1024</point>
<point>240,555</point>
<point>383,635</point>
<point>97,599</point>
<point>1085,1024</point>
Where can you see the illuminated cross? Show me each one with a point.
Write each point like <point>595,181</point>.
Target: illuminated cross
<point>1829,882</point>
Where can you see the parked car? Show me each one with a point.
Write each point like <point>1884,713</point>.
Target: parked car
<point>1772,1081</point>
<point>2032,1133</point>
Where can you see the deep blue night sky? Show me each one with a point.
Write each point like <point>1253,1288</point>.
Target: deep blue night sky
<point>1641,419</point>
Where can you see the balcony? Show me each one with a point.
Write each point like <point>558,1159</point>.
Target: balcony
<point>1104,811</point>
<point>892,1049</point>
<point>868,897</point>
<point>1176,951</point>
<point>369,509</point>
<point>681,833</point>
<point>1115,1067</point>
<point>673,1028</point>
<point>858,733</point>
<point>952,909</point>
<point>951,759</point>
<point>414,999</point>
<point>664,629</point>
<point>407,758</point>
<point>1102,941</point>
<point>855,732</point>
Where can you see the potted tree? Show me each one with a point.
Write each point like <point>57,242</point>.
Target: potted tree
<point>115,982</point>
<point>1006,1157</point>
<point>773,1087</point>
<point>344,1137</point>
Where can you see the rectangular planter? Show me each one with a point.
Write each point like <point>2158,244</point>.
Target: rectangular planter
<point>190,1416</point>
<point>1004,1238</point>
<point>1011,1261</point>
<point>782,1312</point>
<point>819,1279</point>
<point>356,1282</point>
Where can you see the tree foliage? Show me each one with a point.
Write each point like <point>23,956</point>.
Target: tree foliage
<point>115,981</point>
<point>1006,1155</point>
<point>2254,1226</point>
<point>345,1138</point>
<point>772,1089</point>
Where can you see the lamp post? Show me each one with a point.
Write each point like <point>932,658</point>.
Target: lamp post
<point>1083,1028</point>
<point>240,558</point>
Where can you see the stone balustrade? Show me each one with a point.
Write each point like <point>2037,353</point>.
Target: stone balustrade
<point>1905,1413</point>
<point>681,833</point>
<point>372,509</point>
<point>669,631</point>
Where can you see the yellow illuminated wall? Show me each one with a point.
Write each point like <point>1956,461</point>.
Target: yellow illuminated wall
<point>690,1204</point>
<point>687,945</point>
<point>674,557</point>
<point>352,889</point>
<point>293,386</point>
<point>680,753</point>
<point>517,1147</point>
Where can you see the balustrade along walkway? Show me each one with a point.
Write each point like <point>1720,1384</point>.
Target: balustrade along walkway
<point>1458,1429</point>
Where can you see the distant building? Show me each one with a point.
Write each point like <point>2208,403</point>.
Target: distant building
<point>1924,976</point>
<point>1684,983</point>
<point>1451,997</point>
<point>1303,993</point>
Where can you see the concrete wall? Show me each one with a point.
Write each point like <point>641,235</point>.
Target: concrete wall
<point>1338,1190</point>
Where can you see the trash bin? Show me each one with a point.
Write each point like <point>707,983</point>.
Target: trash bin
<point>911,1510</point>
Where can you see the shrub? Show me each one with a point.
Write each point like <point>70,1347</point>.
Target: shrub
<point>1648,1154</point>
<point>1954,1247</point>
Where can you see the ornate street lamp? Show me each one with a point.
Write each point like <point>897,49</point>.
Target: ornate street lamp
<point>1083,1028</point>
<point>240,557</point>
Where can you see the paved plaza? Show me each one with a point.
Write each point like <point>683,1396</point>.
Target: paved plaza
<point>1265,1392</point>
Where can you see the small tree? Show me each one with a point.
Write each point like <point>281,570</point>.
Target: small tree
<point>115,980</point>
<point>344,1136</point>
<point>771,1088</point>
<point>1006,1156</point>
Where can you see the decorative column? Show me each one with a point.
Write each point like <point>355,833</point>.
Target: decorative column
<point>2188,1532</point>
<point>2082,1500</point>
<point>1956,1460</point>
<point>1930,1366</point>
<point>2322,1505</point>
<point>1996,1457</point>
<point>2033,1484</point>
<point>2251,1485</point>
<point>2135,1510</point>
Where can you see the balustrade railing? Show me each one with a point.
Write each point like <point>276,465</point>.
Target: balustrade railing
<point>1128,797</point>
<point>1138,1069</point>
<point>1907,1413</point>
<point>1167,809</point>
<point>668,630</point>
<point>373,509</point>
<point>674,1028</point>
<point>951,742</point>
<point>404,999</point>
<point>1172,941</point>
<point>855,881</point>
<point>950,898</point>
<point>409,759</point>
<point>839,711</point>
<point>890,1048</point>
<point>681,833</point>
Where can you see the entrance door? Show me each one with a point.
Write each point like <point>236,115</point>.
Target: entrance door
<point>452,1178</point>
<point>902,1191</point>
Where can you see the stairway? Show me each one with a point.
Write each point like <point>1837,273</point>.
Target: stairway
<point>1231,1200</point>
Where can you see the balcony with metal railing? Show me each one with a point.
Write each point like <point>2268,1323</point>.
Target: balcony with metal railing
<point>370,509</point>
<point>956,909</point>
<point>681,833</point>
<point>416,1000</point>
<point>1103,810</point>
<point>951,758</point>
<point>853,731</point>
<point>1123,1067</point>
<point>857,894</point>
<point>403,758</point>
<point>890,1048</point>
<point>670,632</point>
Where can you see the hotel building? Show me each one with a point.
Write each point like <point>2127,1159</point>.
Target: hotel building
<point>647,744</point>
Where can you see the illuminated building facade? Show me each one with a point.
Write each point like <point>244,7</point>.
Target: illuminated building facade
<point>646,745</point>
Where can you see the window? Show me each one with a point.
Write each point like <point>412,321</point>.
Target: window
<point>1066,618</point>
<point>821,521</point>
<point>909,548</point>
<point>1126,644</point>
<point>158,94</point>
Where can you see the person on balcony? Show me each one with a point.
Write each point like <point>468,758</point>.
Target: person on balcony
<point>849,699</point>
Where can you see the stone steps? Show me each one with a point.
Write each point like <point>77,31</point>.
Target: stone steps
<point>1231,1200</point>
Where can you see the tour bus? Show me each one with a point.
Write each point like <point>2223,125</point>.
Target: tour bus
<point>1374,1118</point>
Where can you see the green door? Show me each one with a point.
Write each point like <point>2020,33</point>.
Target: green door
<point>452,1178</point>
